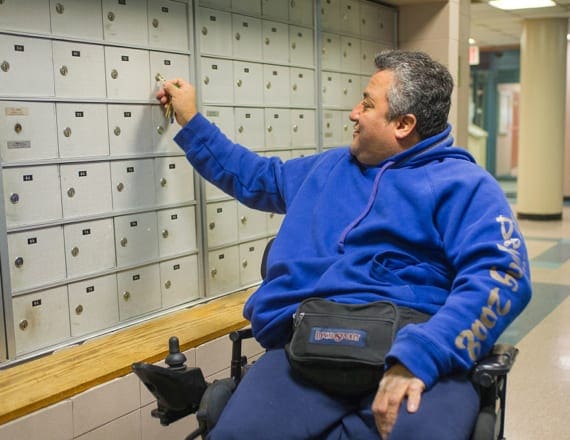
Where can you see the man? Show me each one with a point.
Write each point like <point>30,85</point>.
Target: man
<point>400,215</point>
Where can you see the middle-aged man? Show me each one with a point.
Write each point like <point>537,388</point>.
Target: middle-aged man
<point>400,215</point>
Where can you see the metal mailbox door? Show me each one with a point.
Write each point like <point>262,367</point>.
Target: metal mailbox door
<point>36,257</point>
<point>277,126</point>
<point>330,52</point>
<point>77,19</point>
<point>174,180</point>
<point>302,46</point>
<point>32,195</point>
<point>223,270</point>
<point>93,305</point>
<point>130,126</point>
<point>250,130</point>
<point>276,85</point>
<point>217,77</point>
<point>221,219</point>
<point>128,73</point>
<point>79,70</point>
<point>125,22</point>
<point>41,319</point>
<point>136,238</point>
<point>179,280</point>
<point>246,37</point>
<point>331,91</point>
<point>302,87</point>
<point>250,255</point>
<point>167,24</point>
<point>21,58</point>
<point>303,128</point>
<point>82,130</point>
<point>31,15</point>
<point>252,223</point>
<point>177,231</point>
<point>223,118</point>
<point>89,247</point>
<point>275,46</point>
<point>215,29</point>
<point>28,131</point>
<point>132,183</point>
<point>248,79</point>
<point>139,291</point>
<point>350,54</point>
<point>85,189</point>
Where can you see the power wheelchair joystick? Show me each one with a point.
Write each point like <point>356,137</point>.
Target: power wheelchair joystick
<point>181,391</point>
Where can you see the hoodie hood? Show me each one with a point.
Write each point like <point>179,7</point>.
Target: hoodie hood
<point>436,147</point>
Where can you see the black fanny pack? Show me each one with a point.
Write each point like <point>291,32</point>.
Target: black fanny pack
<point>341,347</point>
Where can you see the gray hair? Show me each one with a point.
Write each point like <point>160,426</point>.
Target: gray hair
<point>421,87</point>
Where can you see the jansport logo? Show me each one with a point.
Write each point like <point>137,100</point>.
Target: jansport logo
<point>338,336</point>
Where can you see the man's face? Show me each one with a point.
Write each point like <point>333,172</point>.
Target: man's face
<point>373,138</point>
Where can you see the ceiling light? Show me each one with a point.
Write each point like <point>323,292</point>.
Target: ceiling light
<point>521,4</point>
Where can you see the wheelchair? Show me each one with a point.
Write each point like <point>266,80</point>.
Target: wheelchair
<point>181,391</point>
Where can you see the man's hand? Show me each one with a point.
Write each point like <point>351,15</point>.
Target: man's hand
<point>182,96</point>
<point>396,384</point>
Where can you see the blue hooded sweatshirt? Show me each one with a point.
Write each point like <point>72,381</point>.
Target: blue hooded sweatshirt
<point>427,229</point>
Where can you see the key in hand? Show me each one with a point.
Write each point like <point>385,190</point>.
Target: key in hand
<point>169,110</point>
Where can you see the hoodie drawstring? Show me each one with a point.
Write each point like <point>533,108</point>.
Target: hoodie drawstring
<point>368,207</point>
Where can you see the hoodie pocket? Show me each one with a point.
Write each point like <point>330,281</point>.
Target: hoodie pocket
<point>409,278</point>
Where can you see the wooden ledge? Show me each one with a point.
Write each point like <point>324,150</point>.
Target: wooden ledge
<point>41,382</point>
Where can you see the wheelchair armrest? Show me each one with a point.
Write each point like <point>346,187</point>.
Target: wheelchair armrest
<point>495,364</point>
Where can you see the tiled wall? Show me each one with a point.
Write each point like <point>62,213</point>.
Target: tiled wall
<point>120,409</point>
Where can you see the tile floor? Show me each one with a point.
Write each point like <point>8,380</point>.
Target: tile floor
<point>538,398</point>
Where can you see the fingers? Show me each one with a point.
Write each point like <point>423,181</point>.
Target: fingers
<point>396,385</point>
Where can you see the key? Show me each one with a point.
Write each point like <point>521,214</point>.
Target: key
<point>169,110</point>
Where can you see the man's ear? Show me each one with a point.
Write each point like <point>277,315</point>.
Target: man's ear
<point>405,126</point>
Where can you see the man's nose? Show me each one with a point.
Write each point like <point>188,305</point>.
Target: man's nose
<point>355,113</point>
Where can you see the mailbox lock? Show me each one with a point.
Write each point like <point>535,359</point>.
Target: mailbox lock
<point>155,22</point>
<point>18,128</point>
<point>239,82</point>
<point>238,36</point>
<point>79,309</point>
<point>295,87</point>
<point>244,264</point>
<point>63,70</point>
<point>206,80</point>
<point>14,198</point>
<point>111,16</point>
<point>295,128</point>
<point>59,8</point>
<point>243,219</point>
<point>19,262</point>
<point>160,129</point>
<point>240,129</point>
<point>212,225</point>
<point>270,129</point>
<point>5,66</point>
<point>204,30</point>
<point>268,85</point>
<point>214,272</point>
<point>67,132</point>
<point>167,284</point>
<point>114,74</point>
<point>163,181</point>
<point>75,251</point>
<point>70,192</point>
<point>23,324</point>
<point>126,295</point>
<point>165,233</point>
<point>267,40</point>
<point>120,186</point>
<point>124,242</point>
<point>117,131</point>
<point>294,45</point>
